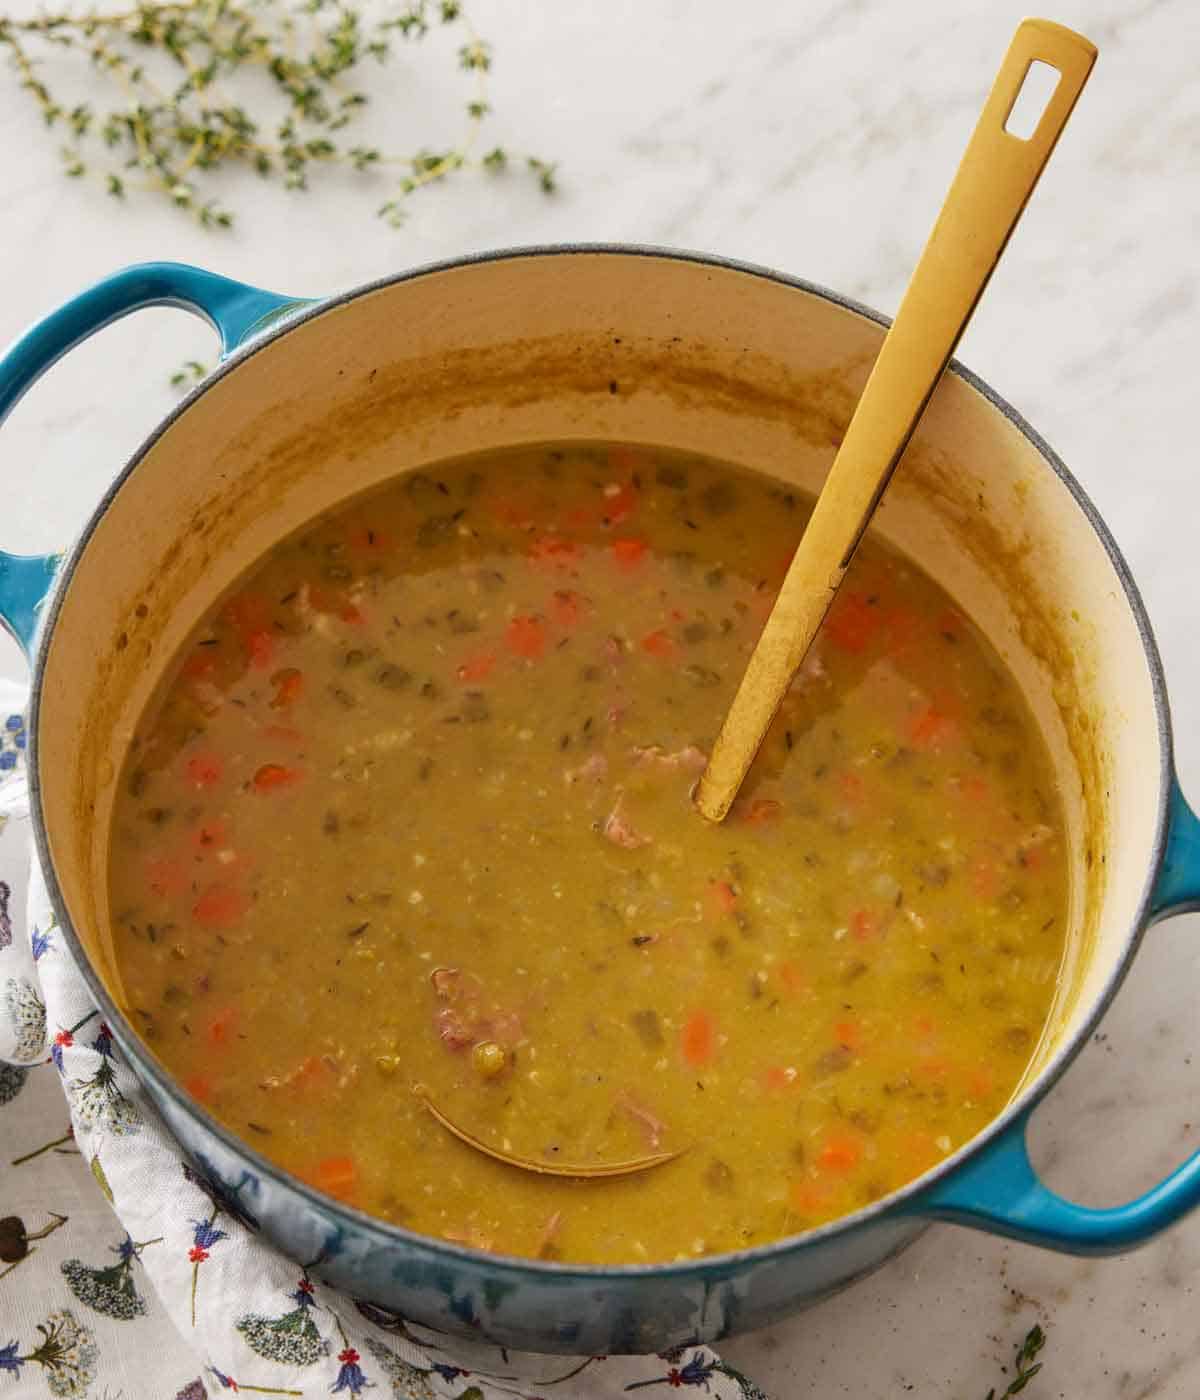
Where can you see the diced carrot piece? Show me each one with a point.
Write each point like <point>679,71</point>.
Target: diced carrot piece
<point>219,906</point>
<point>902,627</point>
<point>200,665</point>
<point>792,977</point>
<point>853,622</point>
<point>366,539</point>
<point>930,728</point>
<point>209,835</point>
<point>326,600</point>
<point>220,1028</point>
<point>289,686</point>
<point>477,667</point>
<point>976,788</point>
<point>659,644</point>
<point>526,636</point>
<point>981,1082</point>
<point>864,924</point>
<point>949,623</point>
<point>583,517</point>
<point>555,550</point>
<point>336,1176</point>
<point>698,1040</point>
<point>204,770</point>
<point>780,1077</point>
<point>932,1066</point>
<point>852,786</point>
<point>260,648</point>
<point>620,505</point>
<point>311,1068</point>
<point>199,1086</point>
<point>1031,858</point>
<point>247,612</point>
<point>629,553</point>
<point>809,1198</point>
<point>166,877</point>
<point>985,877</point>
<point>841,1152</point>
<point>723,896</point>
<point>761,812</point>
<point>849,1033</point>
<point>566,607</point>
<point>272,776</point>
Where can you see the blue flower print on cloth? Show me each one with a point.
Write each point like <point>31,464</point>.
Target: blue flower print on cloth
<point>22,1004</point>
<point>110,1289</point>
<point>63,1349</point>
<point>12,742</point>
<point>178,1295</point>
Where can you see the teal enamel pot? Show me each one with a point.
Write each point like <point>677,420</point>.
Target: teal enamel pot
<point>315,401</point>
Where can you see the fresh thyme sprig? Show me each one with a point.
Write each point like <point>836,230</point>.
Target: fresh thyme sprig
<point>188,373</point>
<point>1027,1366</point>
<point>181,73</point>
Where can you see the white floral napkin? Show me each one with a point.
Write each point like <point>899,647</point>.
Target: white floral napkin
<point>179,1295</point>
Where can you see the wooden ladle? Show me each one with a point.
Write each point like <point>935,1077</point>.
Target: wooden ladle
<point>998,173</point>
<point>579,1171</point>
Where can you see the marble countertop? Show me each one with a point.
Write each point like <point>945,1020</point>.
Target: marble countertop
<point>817,137</point>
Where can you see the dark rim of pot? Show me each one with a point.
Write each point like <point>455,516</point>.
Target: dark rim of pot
<point>906,1200</point>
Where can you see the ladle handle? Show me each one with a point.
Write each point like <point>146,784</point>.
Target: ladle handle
<point>998,173</point>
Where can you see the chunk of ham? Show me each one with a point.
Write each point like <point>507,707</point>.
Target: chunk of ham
<point>446,981</point>
<point>621,832</point>
<point>651,1125</point>
<point>614,650</point>
<point>454,985</point>
<point>690,758</point>
<point>335,1069</point>
<point>464,1021</point>
<point>321,619</point>
<point>594,770</point>
<point>456,1028</point>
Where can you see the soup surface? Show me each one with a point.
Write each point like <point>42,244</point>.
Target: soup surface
<point>410,825</point>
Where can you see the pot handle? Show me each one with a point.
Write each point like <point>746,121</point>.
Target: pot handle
<point>1177,888</point>
<point>236,311</point>
<point>999,1191</point>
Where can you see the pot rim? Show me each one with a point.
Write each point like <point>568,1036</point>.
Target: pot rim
<point>900,1203</point>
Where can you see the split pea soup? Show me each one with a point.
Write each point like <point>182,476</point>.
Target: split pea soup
<point>409,825</point>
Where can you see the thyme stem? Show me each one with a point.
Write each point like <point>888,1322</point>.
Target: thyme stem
<point>179,131</point>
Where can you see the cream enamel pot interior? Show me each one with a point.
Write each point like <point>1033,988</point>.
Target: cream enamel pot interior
<point>317,401</point>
